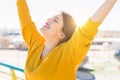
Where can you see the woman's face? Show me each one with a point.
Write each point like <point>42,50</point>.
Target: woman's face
<point>53,27</point>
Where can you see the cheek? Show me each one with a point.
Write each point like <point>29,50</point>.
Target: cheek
<point>55,28</point>
<point>54,32</point>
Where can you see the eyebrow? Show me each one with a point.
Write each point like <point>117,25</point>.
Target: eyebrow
<point>57,18</point>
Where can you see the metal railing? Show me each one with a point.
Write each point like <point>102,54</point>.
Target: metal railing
<point>12,68</point>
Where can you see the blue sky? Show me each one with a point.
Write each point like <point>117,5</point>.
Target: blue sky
<point>40,10</point>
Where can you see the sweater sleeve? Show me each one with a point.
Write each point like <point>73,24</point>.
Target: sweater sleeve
<point>81,40</point>
<point>29,30</point>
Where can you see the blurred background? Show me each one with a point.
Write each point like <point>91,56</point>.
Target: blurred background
<point>103,59</point>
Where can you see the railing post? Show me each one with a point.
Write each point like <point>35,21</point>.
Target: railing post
<point>12,68</point>
<point>13,74</point>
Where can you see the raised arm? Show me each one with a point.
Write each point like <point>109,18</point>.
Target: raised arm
<point>23,13</point>
<point>81,40</point>
<point>29,31</point>
<point>103,11</point>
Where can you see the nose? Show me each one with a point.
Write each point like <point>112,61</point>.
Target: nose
<point>49,19</point>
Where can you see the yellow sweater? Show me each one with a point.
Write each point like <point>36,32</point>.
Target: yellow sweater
<point>62,62</point>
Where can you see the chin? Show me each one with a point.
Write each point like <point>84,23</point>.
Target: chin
<point>43,32</point>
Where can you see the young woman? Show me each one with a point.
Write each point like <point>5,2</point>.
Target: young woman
<point>56,52</point>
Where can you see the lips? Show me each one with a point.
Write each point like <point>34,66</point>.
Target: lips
<point>46,26</point>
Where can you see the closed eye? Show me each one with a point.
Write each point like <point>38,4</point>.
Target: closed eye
<point>55,20</point>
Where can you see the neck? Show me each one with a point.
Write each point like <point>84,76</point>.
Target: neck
<point>49,45</point>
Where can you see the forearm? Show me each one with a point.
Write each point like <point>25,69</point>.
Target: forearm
<point>103,11</point>
<point>23,13</point>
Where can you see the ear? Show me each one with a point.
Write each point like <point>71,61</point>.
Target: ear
<point>61,35</point>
